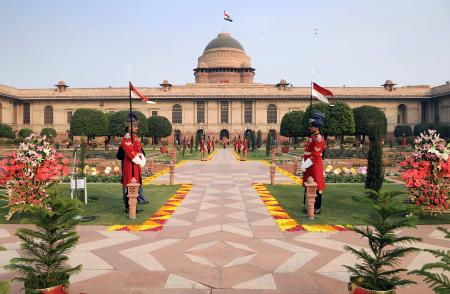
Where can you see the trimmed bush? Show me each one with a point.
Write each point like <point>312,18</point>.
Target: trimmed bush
<point>89,122</point>
<point>48,132</point>
<point>158,127</point>
<point>375,171</point>
<point>118,122</point>
<point>365,115</point>
<point>25,133</point>
<point>6,131</point>
<point>441,128</point>
<point>258,139</point>
<point>403,129</point>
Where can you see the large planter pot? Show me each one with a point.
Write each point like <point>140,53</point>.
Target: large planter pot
<point>354,288</point>
<point>163,149</point>
<point>59,289</point>
<point>285,149</point>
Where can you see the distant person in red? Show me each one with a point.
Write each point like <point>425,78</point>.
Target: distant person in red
<point>202,148</point>
<point>404,142</point>
<point>312,165</point>
<point>209,145</point>
<point>235,144</point>
<point>213,143</point>
<point>239,144</point>
<point>245,147</point>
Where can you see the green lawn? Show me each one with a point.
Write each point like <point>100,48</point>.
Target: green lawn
<point>105,202</point>
<point>338,204</point>
<point>195,155</point>
<point>261,155</point>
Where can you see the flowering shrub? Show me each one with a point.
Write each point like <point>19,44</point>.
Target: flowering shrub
<point>425,172</point>
<point>29,172</point>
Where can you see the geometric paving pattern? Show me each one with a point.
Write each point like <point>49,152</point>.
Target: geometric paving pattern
<point>221,239</point>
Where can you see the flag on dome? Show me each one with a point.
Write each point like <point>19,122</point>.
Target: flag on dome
<point>226,16</point>
<point>320,93</point>
<point>135,94</point>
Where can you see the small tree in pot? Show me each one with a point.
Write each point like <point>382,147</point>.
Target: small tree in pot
<point>43,267</point>
<point>378,271</point>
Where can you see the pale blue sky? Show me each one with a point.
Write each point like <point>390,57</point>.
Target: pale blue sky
<point>90,43</point>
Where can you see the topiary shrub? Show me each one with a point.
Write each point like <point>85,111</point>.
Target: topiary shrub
<point>25,133</point>
<point>6,131</point>
<point>442,129</point>
<point>403,129</point>
<point>48,132</point>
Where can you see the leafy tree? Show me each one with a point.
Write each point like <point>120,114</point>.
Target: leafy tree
<point>158,127</point>
<point>402,129</point>
<point>45,246</point>
<point>25,133</point>
<point>89,123</point>
<point>253,140</point>
<point>341,121</point>
<point>375,171</point>
<point>48,132</point>
<point>118,123</point>
<point>442,129</point>
<point>268,144</point>
<point>6,131</point>
<point>192,144</point>
<point>258,139</point>
<point>365,115</point>
<point>292,125</point>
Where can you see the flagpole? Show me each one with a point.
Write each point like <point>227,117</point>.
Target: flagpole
<point>131,126</point>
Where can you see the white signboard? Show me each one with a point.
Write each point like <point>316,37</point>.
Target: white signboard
<point>81,184</point>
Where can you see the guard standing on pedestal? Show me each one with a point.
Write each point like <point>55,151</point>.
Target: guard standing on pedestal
<point>133,160</point>
<point>312,165</point>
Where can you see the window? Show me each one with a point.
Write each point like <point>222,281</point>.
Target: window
<point>48,115</point>
<point>402,116</point>
<point>272,114</point>
<point>26,113</point>
<point>176,114</point>
<point>154,113</point>
<point>200,112</point>
<point>224,112</point>
<point>248,112</point>
<point>69,116</point>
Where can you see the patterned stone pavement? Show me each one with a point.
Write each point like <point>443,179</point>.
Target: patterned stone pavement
<point>220,240</point>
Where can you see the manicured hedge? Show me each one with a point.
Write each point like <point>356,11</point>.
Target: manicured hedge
<point>403,129</point>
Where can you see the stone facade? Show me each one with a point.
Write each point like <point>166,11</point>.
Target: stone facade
<point>224,80</point>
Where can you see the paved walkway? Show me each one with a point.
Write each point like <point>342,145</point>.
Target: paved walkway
<point>220,240</point>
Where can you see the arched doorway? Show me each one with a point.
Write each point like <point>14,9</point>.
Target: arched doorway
<point>248,133</point>
<point>224,133</point>
<point>402,115</point>
<point>177,137</point>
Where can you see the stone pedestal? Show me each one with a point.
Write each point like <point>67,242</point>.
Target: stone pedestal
<point>273,155</point>
<point>133,190</point>
<point>295,166</point>
<point>311,195</point>
<point>272,174</point>
<point>173,154</point>
<point>171,173</point>
<point>151,166</point>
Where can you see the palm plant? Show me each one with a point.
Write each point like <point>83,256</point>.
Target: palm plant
<point>45,248</point>
<point>4,285</point>
<point>438,281</point>
<point>378,269</point>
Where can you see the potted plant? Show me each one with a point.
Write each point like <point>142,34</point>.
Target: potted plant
<point>378,272</point>
<point>285,147</point>
<point>43,266</point>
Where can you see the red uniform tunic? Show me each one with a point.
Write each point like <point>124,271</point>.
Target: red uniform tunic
<point>239,145</point>
<point>313,150</point>
<point>131,150</point>
<point>245,147</point>
<point>202,145</point>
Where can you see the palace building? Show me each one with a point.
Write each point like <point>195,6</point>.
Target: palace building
<point>223,101</point>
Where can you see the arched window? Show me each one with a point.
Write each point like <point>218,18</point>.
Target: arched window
<point>402,114</point>
<point>1,113</point>
<point>48,115</point>
<point>177,114</point>
<point>272,114</point>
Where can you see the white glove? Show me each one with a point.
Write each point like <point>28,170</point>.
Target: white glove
<point>144,160</point>
<point>307,163</point>
<point>137,160</point>
<point>302,166</point>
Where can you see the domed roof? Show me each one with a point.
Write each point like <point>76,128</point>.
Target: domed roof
<point>224,40</point>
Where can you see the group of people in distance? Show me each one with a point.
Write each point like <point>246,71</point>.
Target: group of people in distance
<point>133,158</point>
<point>240,145</point>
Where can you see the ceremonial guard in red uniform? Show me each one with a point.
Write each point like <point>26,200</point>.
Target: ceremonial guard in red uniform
<point>238,144</point>
<point>133,160</point>
<point>208,145</point>
<point>312,165</point>
<point>202,148</point>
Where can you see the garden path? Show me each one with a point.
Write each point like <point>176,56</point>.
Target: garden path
<point>220,240</point>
